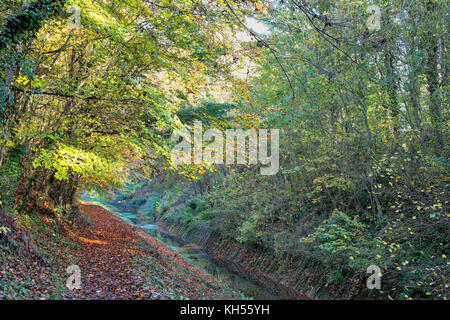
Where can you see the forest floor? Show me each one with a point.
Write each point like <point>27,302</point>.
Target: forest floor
<point>116,261</point>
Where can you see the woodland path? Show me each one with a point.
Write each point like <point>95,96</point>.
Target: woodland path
<point>111,250</point>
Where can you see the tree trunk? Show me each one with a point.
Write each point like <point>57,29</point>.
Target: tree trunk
<point>432,75</point>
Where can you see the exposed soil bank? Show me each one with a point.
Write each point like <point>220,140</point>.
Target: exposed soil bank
<point>232,277</point>
<point>250,263</point>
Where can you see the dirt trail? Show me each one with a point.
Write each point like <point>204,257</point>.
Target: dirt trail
<point>109,255</point>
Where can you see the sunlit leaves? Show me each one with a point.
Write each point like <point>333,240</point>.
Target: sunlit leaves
<point>93,168</point>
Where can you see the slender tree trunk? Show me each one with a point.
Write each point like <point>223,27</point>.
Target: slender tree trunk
<point>391,85</point>
<point>391,88</point>
<point>432,75</point>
